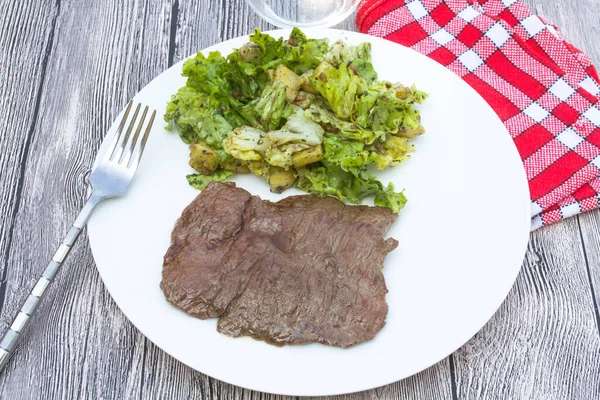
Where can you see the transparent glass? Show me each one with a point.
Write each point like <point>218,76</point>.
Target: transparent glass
<point>303,13</point>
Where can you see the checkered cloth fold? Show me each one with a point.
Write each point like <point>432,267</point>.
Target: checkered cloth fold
<point>544,89</point>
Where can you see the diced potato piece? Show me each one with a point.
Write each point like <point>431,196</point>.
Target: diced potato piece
<point>321,68</point>
<point>290,80</point>
<point>235,165</point>
<point>287,77</point>
<point>308,156</point>
<point>202,158</point>
<point>281,179</point>
<point>290,94</point>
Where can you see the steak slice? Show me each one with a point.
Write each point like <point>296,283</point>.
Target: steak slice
<point>305,269</point>
<point>202,274</point>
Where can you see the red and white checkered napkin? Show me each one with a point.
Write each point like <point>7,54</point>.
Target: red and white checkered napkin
<point>544,89</point>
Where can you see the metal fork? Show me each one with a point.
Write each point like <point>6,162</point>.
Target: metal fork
<point>110,178</point>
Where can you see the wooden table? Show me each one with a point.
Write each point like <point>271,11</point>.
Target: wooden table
<point>68,66</point>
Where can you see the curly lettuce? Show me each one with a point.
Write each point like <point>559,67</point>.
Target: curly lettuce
<point>364,69</point>
<point>350,154</point>
<point>184,111</point>
<point>343,53</point>
<point>268,110</point>
<point>298,53</point>
<point>389,109</point>
<point>341,88</point>
<point>195,122</point>
<point>391,152</point>
<point>353,185</point>
<point>376,107</point>
<point>200,181</point>
<point>350,130</point>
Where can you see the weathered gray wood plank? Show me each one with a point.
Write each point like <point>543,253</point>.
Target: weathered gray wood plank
<point>80,346</point>
<point>585,36</point>
<point>22,67</point>
<point>433,383</point>
<point>590,228</point>
<point>543,342</point>
<point>203,24</point>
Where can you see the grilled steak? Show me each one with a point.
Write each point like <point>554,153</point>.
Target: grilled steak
<point>301,270</point>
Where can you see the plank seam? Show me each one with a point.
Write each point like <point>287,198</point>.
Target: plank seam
<point>452,377</point>
<point>589,276</point>
<point>173,32</point>
<point>25,155</point>
<point>143,376</point>
<point>86,341</point>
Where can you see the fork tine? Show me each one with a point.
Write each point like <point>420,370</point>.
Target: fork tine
<point>145,138</point>
<point>139,150</point>
<point>121,146</point>
<point>130,145</point>
<point>117,136</point>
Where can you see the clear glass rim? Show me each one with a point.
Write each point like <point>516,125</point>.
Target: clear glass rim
<point>284,23</point>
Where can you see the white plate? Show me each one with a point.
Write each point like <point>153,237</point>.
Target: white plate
<point>462,235</point>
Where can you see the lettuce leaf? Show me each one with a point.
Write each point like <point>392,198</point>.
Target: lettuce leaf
<point>346,155</point>
<point>207,74</point>
<point>343,53</point>
<point>390,108</point>
<point>340,87</point>
<point>320,113</point>
<point>215,83</point>
<point>379,107</point>
<point>185,110</point>
<point>353,186</point>
<point>245,79</point>
<point>391,153</point>
<point>267,111</point>
<point>364,69</point>
<point>349,155</point>
<point>200,181</point>
<point>188,111</point>
<point>213,129</point>
<point>223,78</point>
<point>387,197</point>
<point>297,53</point>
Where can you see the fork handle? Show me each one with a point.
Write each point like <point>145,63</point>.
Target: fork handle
<point>11,337</point>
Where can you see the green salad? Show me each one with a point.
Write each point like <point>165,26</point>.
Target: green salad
<point>300,112</point>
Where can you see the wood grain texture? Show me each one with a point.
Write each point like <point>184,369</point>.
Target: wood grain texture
<point>585,36</point>
<point>81,346</point>
<point>543,343</point>
<point>20,90</point>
